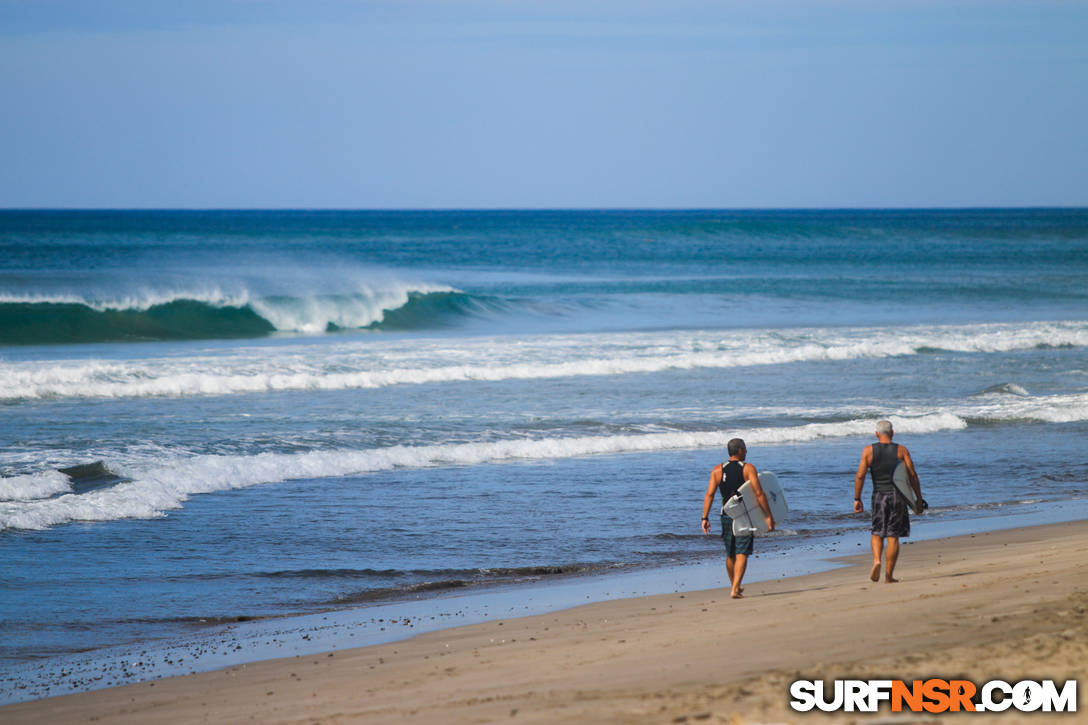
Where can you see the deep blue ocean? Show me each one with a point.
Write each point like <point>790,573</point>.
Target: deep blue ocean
<point>207,416</point>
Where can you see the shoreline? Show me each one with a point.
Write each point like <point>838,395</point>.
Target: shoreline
<point>249,640</point>
<point>613,659</point>
<point>217,646</point>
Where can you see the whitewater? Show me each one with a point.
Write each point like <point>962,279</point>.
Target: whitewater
<point>373,364</point>
<point>150,490</point>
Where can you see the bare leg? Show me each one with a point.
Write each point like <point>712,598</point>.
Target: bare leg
<point>892,557</point>
<point>738,575</point>
<point>730,565</point>
<point>878,549</point>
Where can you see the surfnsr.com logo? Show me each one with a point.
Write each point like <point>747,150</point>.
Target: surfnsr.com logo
<point>933,695</point>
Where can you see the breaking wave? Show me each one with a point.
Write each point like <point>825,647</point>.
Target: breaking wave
<point>149,492</point>
<point>1005,389</point>
<point>214,315</point>
<point>105,491</point>
<point>370,365</point>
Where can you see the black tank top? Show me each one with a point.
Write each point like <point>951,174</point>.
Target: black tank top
<point>732,479</point>
<point>885,459</point>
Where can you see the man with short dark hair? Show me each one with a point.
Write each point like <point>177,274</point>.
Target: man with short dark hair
<point>728,477</point>
<point>891,521</point>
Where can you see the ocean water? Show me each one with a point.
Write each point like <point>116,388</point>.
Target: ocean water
<point>214,416</point>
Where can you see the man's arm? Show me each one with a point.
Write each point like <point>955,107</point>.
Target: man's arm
<point>912,475</point>
<point>752,477</point>
<point>708,499</point>
<point>859,477</point>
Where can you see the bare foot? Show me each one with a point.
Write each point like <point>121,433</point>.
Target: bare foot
<point>890,580</point>
<point>737,595</point>
<point>874,574</point>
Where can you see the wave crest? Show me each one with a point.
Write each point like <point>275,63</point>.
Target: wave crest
<point>152,491</point>
<point>1005,389</point>
<point>51,320</point>
<point>359,366</point>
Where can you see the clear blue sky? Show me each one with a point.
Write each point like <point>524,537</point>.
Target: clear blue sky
<point>542,103</point>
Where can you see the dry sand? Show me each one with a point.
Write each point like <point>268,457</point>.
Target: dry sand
<point>1011,605</point>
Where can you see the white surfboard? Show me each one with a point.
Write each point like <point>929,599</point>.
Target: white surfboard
<point>743,508</point>
<point>902,482</point>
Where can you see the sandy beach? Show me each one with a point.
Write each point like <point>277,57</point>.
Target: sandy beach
<point>1009,604</point>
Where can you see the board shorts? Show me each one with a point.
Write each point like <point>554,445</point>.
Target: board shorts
<point>735,544</point>
<point>890,515</point>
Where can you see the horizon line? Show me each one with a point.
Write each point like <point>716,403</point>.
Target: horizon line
<point>1041,207</point>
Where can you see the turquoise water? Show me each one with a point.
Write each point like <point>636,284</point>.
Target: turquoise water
<point>214,415</point>
<point>127,276</point>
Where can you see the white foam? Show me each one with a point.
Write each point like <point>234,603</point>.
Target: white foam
<point>374,364</point>
<point>166,480</point>
<point>1042,408</point>
<point>313,314</point>
<point>138,301</point>
<point>362,304</point>
<point>159,488</point>
<point>27,487</point>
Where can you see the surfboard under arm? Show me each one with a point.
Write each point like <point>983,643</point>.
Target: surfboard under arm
<point>901,480</point>
<point>745,510</point>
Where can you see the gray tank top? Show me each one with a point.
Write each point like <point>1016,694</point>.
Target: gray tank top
<point>885,459</point>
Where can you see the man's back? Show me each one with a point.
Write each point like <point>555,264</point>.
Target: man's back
<point>732,479</point>
<point>885,459</point>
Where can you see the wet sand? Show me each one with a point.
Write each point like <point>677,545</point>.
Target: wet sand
<point>1008,604</point>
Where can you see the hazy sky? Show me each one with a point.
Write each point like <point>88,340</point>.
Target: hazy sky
<point>542,103</point>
